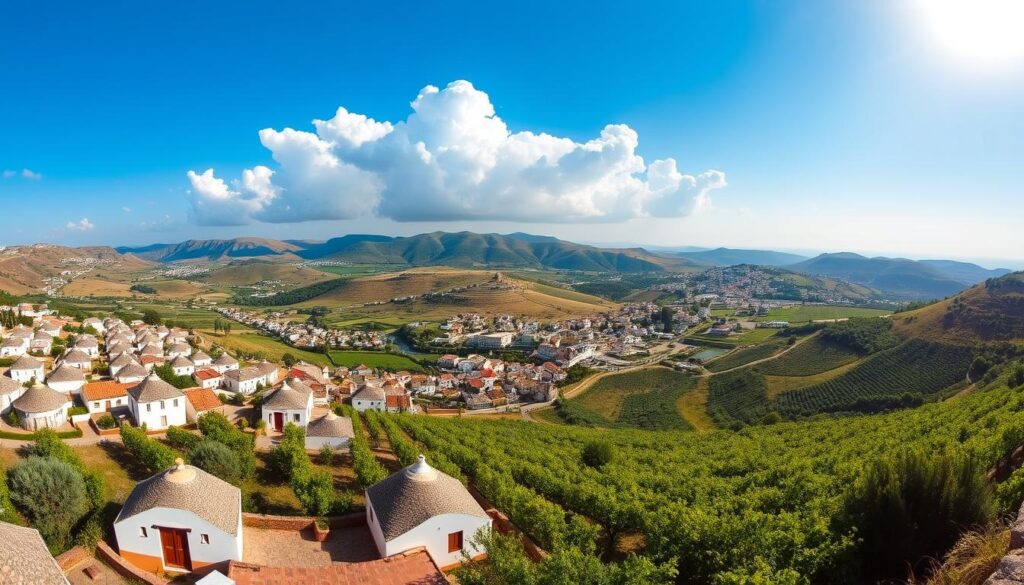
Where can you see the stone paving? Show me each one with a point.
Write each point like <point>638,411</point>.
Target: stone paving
<point>288,548</point>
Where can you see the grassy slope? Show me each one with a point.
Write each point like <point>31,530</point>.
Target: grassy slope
<point>643,398</point>
<point>375,360</point>
<point>253,272</point>
<point>268,347</point>
<point>810,358</point>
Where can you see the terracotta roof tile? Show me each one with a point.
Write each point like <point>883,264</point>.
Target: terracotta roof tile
<point>105,389</point>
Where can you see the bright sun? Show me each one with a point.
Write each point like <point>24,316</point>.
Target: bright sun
<point>982,33</point>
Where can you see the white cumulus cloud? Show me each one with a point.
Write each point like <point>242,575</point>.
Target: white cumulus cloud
<point>83,225</point>
<point>452,158</point>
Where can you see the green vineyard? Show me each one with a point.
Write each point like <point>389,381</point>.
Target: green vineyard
<point>644,399</point>
<point>760,506</point>
<point>737,397</point>
<point>742,357</point>
<point>902,376</point>
<point>809,358</point>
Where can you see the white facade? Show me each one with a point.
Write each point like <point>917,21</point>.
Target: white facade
<point>159,414</point>
<point>33,421</point>
<point>23,376</point>
<point>207,544</point>
<point>364,404</point>
<point>433,535</point>
<point>107,404</point>
<point>315,443</point>
<point>249,386</point>
<point>6,400</point>
<point>72,386</point>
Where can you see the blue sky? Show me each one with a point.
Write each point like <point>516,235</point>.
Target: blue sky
<point>836,125</point>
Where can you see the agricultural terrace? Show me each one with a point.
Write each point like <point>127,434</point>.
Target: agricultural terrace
<point>375,359</point>
<point>805,313</point>
<point>767,501</point>
<point>254,344</point>
<point>644,398</point>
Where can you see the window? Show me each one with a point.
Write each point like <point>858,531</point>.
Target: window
<point>175,403</point>
<point>455,542</point>
<point>149,407</point>
<point>142,532</point>
<point>163,421</point>
<point>95,404</point>
<point>204,539</point>
<point>161,405</point>
<point>297,417</point>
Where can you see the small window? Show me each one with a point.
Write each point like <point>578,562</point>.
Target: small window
<point>142,532</point>
<point>149,407</point>
<point>204,539</point>
<point>455,542</point>
<point>175,403</point>
<point>297,417</point>
<point>161,405</point>
<point>95,404</point>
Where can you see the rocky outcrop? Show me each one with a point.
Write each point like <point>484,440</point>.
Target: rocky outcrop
<point>1011,568</point>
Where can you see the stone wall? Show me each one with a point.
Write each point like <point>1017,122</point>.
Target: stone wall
<point>1011,567</point>
<point>124,568</point>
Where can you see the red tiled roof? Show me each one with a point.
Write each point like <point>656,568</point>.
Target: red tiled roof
<point>413,567</point>
<point>397,401</point>
<point>105,389</point>
<point>203,399</point>
<point>207,374</point>
<point>152,359</point>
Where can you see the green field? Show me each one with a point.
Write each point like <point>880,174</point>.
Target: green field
<point>375,359</point>
<point>809,358</point>
<point>361,270</point>
<point>744,356</point>
<point>256,346</point>
<point>639,399</point>
<point>197,318</point>
<point>764,505</point>
<point>805,313</point>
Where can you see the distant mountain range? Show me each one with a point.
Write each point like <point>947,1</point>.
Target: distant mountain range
<point>897,278</point>
<point>463,249</point>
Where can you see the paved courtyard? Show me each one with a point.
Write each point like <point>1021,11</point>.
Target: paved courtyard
<point>287,548</point>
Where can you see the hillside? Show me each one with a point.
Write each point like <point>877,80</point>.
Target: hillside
<point>463,249</point>
<point>732,257</point>
<point>31,269</point>
<point>990,311</point>
<point>896,277</point>
<point>249,272</point>
<point>215,250</point>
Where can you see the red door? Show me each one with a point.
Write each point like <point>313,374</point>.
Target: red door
<point>279,421</point>
<point>175,546</point>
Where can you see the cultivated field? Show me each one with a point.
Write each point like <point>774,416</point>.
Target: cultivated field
<point>253,344</point>
<point>805,313</point>
<point>812,357</point>
<point>375,359</point>
<point>643,398</point>
<point>240,274</point>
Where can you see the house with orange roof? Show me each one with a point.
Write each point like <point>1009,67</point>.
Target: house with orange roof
<point>106,396</point>
<point>208,378</point>
<point>200,401</point>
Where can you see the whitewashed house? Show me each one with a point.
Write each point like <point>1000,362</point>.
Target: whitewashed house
<point>182,366</point>
<point>88,345</point>
<point>77,358</point>
<point>106,396</point>
<point>419,506</point>
<point>179,350</point>
<point>41,407</point>
<point>122,361</point>
<point>41,343</point>
<point>291,403</point>
<point>26,368</point>
<point>66,379</point>
<point>201,360</point>
<point>9,392</point>
<point>180,520</point>
<point>244,380</point>
<point>224,363</point>
<point>14,346</point>
<point>131,374</point>
<point>208,378</point>
<point>370,397</point>
<point>329,429</point>
<point>156,404</point>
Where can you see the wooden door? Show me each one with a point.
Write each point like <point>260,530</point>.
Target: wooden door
<point>175,546</point>
<point>279,421</point>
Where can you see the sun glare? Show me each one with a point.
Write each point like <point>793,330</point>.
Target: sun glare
<point>979,33</point>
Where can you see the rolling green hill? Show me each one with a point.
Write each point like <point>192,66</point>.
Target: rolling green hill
<point>990,311</point>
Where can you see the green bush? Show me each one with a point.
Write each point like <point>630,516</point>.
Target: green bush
<point>106,422</point>
<point>326,455</point>
<point>52,495</point>
<point>216,426</point>
<point>912,507</point>
<point>597,453</point>
<point>152,454</point>
<point>77,410</point>
<point>217,459</point>
<point>182,439</point>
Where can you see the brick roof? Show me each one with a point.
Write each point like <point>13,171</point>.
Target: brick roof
<point>203,399</point>
<point>105,389</point>
<point>207,374</point>
<point>412,567</point>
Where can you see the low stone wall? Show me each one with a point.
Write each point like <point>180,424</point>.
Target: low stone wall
<point>1011,568</point>
<point>72,557</point>
<point>124,568</point>
<point>299,523</point>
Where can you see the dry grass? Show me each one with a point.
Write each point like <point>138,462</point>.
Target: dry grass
<point>383,287</point>
<point>693,407</point>
<point>84,287</point>
<point>779,384</point>
<point>251,273</point>
<point>972,560</point>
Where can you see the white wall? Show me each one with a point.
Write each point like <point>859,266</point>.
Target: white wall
<point>26,375</point>
<point>222,547</point>
<point>7,399</point>
<point>433,535</point>
<point>289,417</point>
<point>43,420</point>
<point>159,408</point>
<point>75,387</point>
<point>315,443</point>
<point>364,405</point>
<point>107,404</point>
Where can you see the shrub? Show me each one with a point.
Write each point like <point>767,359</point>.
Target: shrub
<point>912,507</point>
<point>13,419</point>
<point>152,454</point>
<point>315,491</point>
<point>217,459</point>
<point>216,426</point>
<point>326,455</point>
<point>106,422</point>
<point>597,453</point>
<point>52,494</point>
<point>182,439</point>
<point>289,458</point>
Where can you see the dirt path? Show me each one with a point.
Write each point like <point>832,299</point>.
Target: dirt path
<point>760,361</point>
